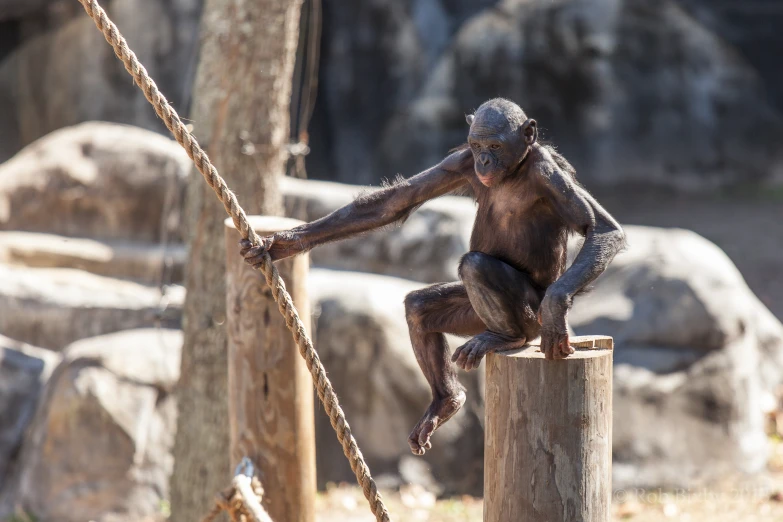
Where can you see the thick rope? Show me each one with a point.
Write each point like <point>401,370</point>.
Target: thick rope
<point>242,502</point>
<point>286,306</point>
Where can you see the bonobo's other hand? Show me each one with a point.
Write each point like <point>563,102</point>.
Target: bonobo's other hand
<point>554,332</point>
<point>279,246</point>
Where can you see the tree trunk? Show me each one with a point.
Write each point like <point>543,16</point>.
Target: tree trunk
<point>241,117</point>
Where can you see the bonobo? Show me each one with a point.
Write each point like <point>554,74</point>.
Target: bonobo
<point>513,283</point>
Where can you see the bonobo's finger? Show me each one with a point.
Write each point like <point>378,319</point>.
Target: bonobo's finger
<point>471,359</point>
<point>255,261</point>
<point>547,346</point>
<point>540,319</point>
<point>565,348</point>
<point>462,356</point>
<point>456,353</point>
<point>244,246</point>
<point>428,445</point>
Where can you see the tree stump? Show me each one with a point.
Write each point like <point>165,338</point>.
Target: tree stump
<point>548,439</point>
<point>270,392</point>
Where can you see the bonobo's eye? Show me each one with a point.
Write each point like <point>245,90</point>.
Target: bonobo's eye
<point>474,146</point>
<point>494,146</point>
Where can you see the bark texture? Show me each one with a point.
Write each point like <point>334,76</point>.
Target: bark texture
<point>240,115</point>
<point>548,439</point>
<point>269,387</point>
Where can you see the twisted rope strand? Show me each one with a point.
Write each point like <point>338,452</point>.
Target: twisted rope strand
<point>281,296</point>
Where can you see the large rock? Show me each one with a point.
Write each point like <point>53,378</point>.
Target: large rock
<point>149,263</point>
<point>696,356</point>
<point>24,369</point>
<point>97,180</point>
<point>100,445</point>
<point>426,248</point>
<point>630,91</point>
<point>362,338</point>
<point>52,307</point>
<point>10,9</point>
<point>61,71</point>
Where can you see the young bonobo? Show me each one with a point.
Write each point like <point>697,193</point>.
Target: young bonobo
<point>513,284</point>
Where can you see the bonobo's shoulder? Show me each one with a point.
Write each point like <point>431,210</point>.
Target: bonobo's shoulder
<point>460,159</point>
<point>550,164</point>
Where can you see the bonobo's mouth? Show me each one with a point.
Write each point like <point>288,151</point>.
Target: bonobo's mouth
<point>487,181</point>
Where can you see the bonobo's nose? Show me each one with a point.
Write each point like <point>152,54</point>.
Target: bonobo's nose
<point>484,158</point>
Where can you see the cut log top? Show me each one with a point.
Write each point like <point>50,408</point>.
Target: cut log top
<point>266,224</point>
<point>585,347</point>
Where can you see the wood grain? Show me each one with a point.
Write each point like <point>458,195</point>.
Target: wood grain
<point>548,440</point>
<point>270,391</point>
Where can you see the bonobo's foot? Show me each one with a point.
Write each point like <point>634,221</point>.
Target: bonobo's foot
<point>440,411</point>
<point>469,355</point>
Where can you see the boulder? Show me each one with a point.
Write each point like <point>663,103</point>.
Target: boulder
<point>362,338</point>
<point>62,72</point>
<point>426,248</point>
<point>696,358</point>
<point>24,369</point>
<point>697,361</point>
<point>10,9</point>
<point>677,93</point>
<point>148,263</point>
<point>96,180</point>
<point>100,445</point>
<point>52,307</point>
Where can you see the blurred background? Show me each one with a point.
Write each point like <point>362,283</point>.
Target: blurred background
<point>670,110</point>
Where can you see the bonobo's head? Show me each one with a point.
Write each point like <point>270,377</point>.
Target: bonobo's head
<point>500,137</point>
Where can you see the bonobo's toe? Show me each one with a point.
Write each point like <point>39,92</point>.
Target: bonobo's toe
<point>469,355</point>
<point>440,411</point>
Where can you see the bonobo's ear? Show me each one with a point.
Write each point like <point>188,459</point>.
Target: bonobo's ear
<point>530,131</point>
<point>469,118</point>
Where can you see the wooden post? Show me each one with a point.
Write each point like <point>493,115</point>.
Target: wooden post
<point>548,440</point>
<point>270,391</point>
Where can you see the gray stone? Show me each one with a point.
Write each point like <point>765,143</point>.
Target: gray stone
<point>672,93</point>
<point>52,307</point>
<point>362,339</point>
<point>10,9</point>
<point>697,357</point>
<point>24,370</point>
<point>148,263</point>
<point>60,70</point>
<point>100,445</point>
<point>96,180</point>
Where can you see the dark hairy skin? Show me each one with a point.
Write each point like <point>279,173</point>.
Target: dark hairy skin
<point>513,283</point>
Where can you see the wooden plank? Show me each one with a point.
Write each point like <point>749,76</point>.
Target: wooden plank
<point>270,390</point>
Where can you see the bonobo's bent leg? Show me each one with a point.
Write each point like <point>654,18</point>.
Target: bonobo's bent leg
<point>505,299</point>
<point>430,312</point>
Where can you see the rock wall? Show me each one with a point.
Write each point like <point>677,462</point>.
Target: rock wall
<point>680,93</point>
<point>57,69</point>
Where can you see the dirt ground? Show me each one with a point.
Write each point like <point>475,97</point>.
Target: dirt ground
<point>750,499</point>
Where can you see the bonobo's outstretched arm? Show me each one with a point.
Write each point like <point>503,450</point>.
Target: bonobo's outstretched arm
<point>368,212</point>
<point>603,239</point>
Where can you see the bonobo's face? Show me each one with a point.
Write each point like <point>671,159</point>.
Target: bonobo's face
<point>498,147</point>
